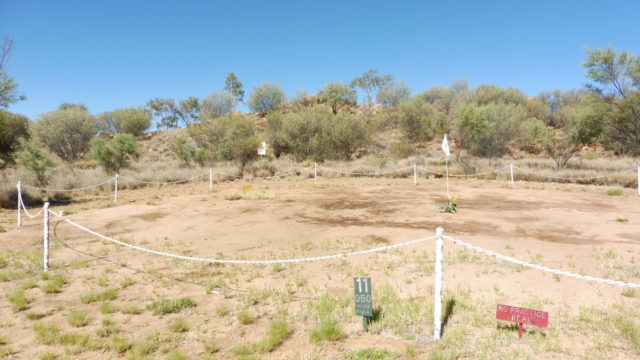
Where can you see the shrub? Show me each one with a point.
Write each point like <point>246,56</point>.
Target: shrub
<point>230,137</point>
<point>53,285</point>
<point>109,294</point>
<point>67,131</point>
<point>183,149</point>
<point>126,121</point>
<point>166,306</point>
<point>402,150</point>
<point>114,154</point>
<point>46,333</point>
<point>316,133</point>
<point>245,317</point>
<point>34,159</point>
<point>415,120</point>
<point>337,95</point>
<point>13,127</point>
<point>393,93</point>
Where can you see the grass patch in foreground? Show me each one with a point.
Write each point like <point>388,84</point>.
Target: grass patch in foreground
<point>109,294</point>
<point>78,319</point>
<point>54,285</point>
<point>167,306</point>
<point>372,354</point>
<point>19,300</point>
<point>327,330</point>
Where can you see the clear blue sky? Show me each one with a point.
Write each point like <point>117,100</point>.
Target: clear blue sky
<point>111,54</point>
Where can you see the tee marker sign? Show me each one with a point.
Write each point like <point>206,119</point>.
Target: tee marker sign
<point>364,301</point>
<point>522,316</point>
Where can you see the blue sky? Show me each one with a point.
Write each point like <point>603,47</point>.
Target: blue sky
<point>112,54</point>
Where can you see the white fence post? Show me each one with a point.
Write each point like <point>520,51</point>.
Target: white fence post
<point>437,306</point>
<point>210,179</point>
<point>511,173</point>
<point>315,173</point>
<point>115,192</point>
<point>19,203</point>
<point>46,237</point>
<point>639,180</point>
<point>415,175</point>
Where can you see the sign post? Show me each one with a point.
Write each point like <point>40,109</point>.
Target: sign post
<point>522,316</point>
<point>364,300</point>
<point>262,150</point>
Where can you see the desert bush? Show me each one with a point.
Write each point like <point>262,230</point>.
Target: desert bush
<point>402,150</point>
<point>230,137</point>
<point>114,154</point>
<point>503,124</point>
<point>265,97</point>
<point>316,133</point>
<point>13,127</point>
<point>127,121</point>
<point>183,149</point>
<point>33,158</point>
<point>416,121</point>
<point>217,104</point>
<point>67,131</point>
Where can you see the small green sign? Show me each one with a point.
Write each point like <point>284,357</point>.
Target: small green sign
<point>364,300</point>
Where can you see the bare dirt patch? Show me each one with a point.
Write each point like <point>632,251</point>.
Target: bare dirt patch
<point>573,228</point>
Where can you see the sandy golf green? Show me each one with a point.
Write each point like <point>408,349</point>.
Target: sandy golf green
<point>103,300</point>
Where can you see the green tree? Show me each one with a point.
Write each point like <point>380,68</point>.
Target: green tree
<point>265,97</point>
<point>502,127</point>
<point>617,84</point>
<point>217,104</point>
<point>234,87</point>
<point>370,82</point>
<point>114,154</point>
<point>13,127</point>
<point>393,94</point>
<point>127,121</point>
<point>8,86</point>
<point>164,113</point>
<point>67,131</point>
<point>33,158</point>
<point>189,110</point>
<point>337,95</point>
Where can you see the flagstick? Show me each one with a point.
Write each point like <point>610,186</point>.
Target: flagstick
<point>446,165</point>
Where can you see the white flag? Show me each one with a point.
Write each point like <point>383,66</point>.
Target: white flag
<point>445,145</point>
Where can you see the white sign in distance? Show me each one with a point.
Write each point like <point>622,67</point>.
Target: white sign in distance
<point>262,149</point>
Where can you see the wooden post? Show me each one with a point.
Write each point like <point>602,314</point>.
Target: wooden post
<point>19,203</point>
<point>511,173</point>
<point>45,259</point>
<point>437,306</point>
<point>115,192</point>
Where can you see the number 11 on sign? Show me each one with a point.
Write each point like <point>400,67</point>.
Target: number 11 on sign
<point>364,301</point>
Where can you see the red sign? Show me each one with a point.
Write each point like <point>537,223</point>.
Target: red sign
<point>522,315</point>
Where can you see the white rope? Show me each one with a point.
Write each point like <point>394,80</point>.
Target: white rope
<point>366,174</point>
<point>24,208</point>
<point>76,189</point>
<point>573,178</point>
<point>258,177</point>
<point>163,182</point>
<point>225,261</point>
<point>470,175</point>
<point>540,267</point>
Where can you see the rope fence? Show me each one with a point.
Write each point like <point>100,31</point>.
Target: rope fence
<point>412,171</point>
<point>439,237</point>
